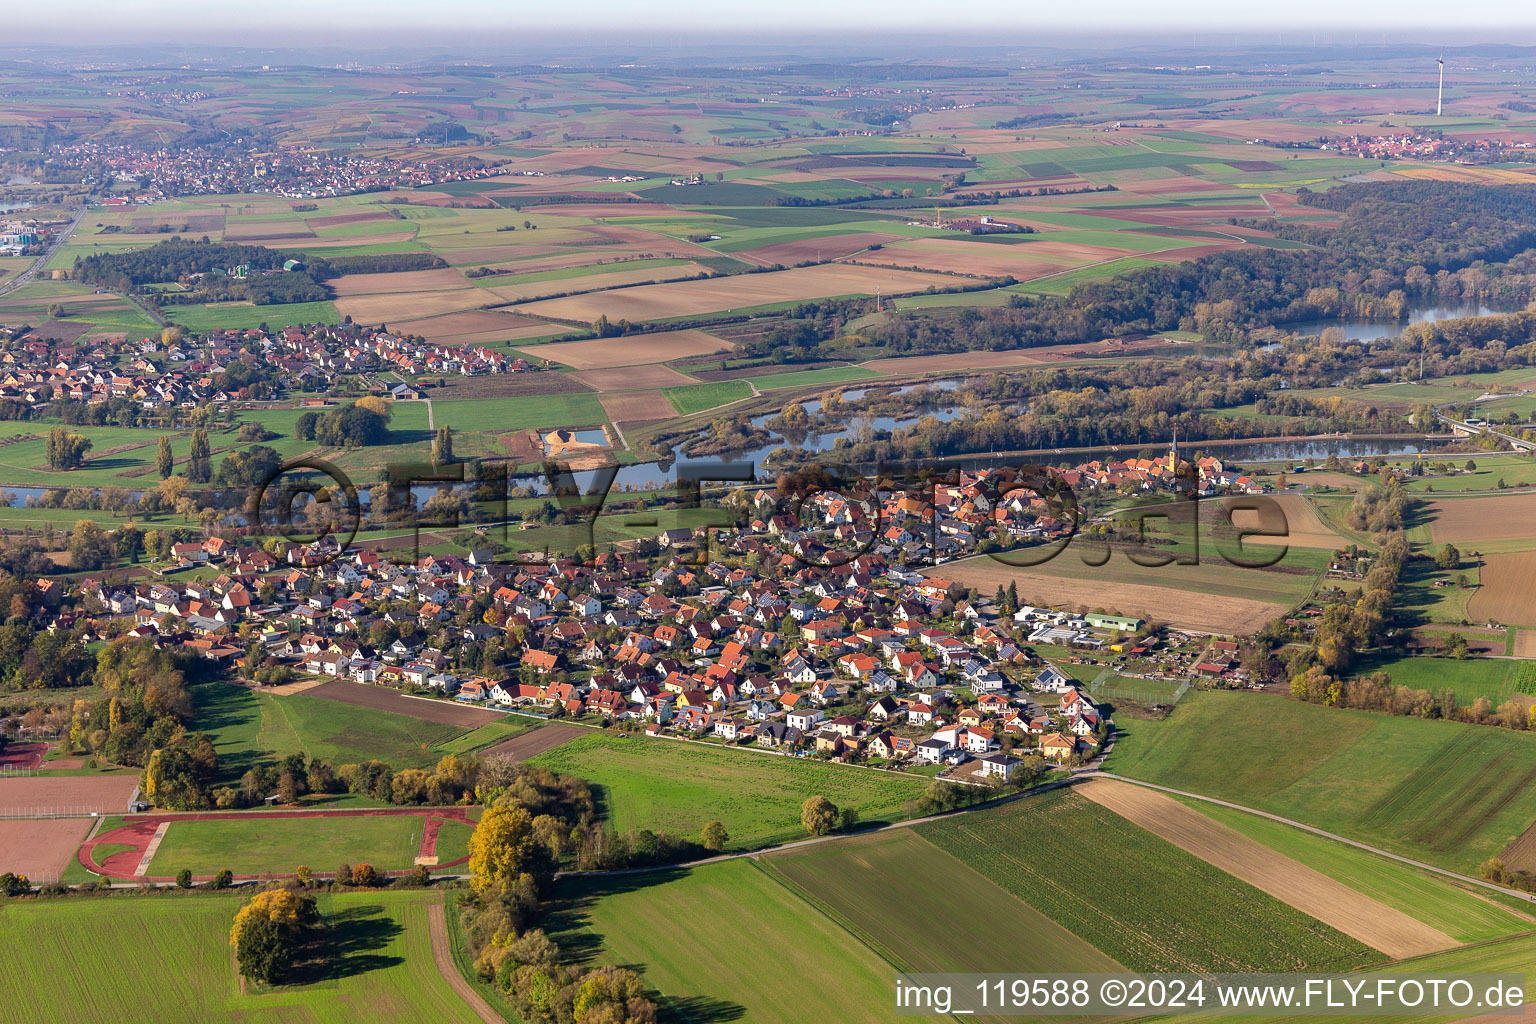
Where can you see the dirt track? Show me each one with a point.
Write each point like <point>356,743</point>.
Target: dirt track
<point>1313,893</point>
<point>442,955</point>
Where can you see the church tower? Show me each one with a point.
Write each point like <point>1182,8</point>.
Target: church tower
<point>1173,453</point>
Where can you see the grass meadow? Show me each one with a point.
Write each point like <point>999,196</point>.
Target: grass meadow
<point>676,787</point>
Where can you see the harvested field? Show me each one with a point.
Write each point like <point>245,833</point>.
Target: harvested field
<point>829,248</point>
<point>634,378</point>
<point>531,744</point>
<point>530,290</point>
<point>1525,643</point>
<point>384,699</point>
<point>1506,594</point>
<point>441,279</point>
<point>78,794</point>
<point>1025,261</point>
<point>1297,516</point>
<point>1311,892</point>
<point>40,848</point>
<point>1185,609</point>
<point>1496,517</point>
<point>392,306</point>
<point>630,406</point>
<point>346,218</point>
<point>474,327</point>
<point>687,298</point>
<point>598,211</point>
<point>1520,855</point>
<point>645,348</point>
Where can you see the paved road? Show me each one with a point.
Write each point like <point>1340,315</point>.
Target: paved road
<point>37,264</point>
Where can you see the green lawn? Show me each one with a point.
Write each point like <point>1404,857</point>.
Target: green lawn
<point>106,960</point>
<point>1135,896</point>
<point>725,942</point>
<point>1462,914</point>
<point>692,398</point>
<point>254,846</point>
<point>1442,792</point>
<point>249,727</point>
<point>676,787</point>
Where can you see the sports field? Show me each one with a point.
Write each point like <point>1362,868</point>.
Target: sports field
<point>676,787</point>
<point>1441,792</point>
<point>279,845</point>
<point>170,958</point>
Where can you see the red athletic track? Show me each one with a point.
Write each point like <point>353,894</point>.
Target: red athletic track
<point>139,829</point>
<point>23,755</point>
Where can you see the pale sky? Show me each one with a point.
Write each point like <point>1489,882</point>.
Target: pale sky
<point>823,22</point>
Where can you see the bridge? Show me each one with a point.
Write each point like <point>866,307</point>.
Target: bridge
<point>1472,429</point>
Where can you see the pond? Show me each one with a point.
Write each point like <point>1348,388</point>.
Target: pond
<point>1374,330</point>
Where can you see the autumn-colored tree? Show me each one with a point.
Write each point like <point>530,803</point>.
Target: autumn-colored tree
<point>268,931</point>
<point>818,815</point>
<point>714,836</point>
<point>502,848</point>
<point>363,874</point>
<point>373,403</point>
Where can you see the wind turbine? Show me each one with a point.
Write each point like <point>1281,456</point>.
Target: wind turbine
<point>1440,95</point>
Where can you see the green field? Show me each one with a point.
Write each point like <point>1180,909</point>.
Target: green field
<point>240,315</point>
<point>167,959</point>
<point>804,378</point>
<point>1137,897</point>
<point>249,727</point>
<point>279,845</point>
<point>691,398</point>
<point>675,787</point>
<point>724,942</point>
<point>836,877</point>
<point>1442,792</point>
<point>538,412</point>
<point>1463,914</point>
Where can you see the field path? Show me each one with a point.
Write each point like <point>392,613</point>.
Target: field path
<point>442,955</point>
<point>1313,893</point>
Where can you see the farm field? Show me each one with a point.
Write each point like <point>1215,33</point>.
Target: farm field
<point>1146,903</point>
<point>1464,914</point>
<point>1442,792</point>
<point>96,792</point>
<point>850,880</point>
<point>677,787</point>
<point>1506,594</point>
<point>724,941</point>
<point>691,298</point>
<point>70,953</point>
<point>1315,894</point>
<point>1212,596</point>
<point>645,348</point>
<point>1464,521</point>
<point>695,398</point>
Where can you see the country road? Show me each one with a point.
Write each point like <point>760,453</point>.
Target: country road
<point>37,264</point>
